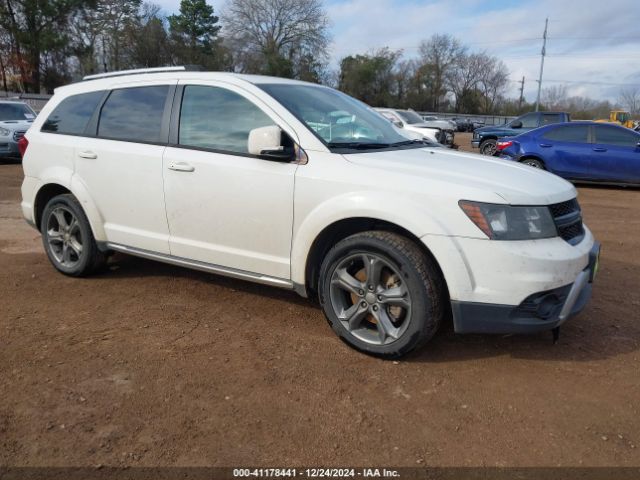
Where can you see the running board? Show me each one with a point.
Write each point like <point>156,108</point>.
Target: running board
<point>202,266</point>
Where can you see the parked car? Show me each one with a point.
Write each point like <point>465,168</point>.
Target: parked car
<point>413,132</point>
<point>485,138</point>
<point>432,121</point>
<point>205,170</point>
<point>15,119</point>
<point>579,151</point>
<point>441,131</point>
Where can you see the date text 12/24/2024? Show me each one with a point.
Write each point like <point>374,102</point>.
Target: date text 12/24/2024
<point>315,473</point>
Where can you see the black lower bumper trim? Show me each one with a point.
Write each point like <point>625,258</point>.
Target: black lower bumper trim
<point>536,313</point>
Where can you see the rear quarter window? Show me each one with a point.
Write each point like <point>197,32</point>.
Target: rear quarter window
<point>72,115</point>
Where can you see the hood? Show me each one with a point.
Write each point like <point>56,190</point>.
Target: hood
<point>467,174</point>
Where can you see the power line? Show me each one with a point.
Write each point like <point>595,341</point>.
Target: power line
<point>585,82</point>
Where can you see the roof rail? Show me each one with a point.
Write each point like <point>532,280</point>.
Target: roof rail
<point>141,71</point>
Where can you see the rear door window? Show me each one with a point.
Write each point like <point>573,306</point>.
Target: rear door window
<point>134,114</point>
<point>72,115</point>
<point>569,133</point>
<point>616,136</point>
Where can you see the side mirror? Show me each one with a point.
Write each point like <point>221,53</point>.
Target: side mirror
<point>516,124</point>
<point>266,142</point>
<point>397,123</point>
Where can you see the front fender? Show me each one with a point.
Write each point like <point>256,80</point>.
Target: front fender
<point>402,211</point>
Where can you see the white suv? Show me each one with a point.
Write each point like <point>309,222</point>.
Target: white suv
<point>300,186</point>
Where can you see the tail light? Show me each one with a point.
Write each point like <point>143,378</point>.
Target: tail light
<point>23,143</point>
<point>503,145</point>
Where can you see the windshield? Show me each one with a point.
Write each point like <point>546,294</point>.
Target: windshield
<point>410,117</point>
<point>15,111</point>
<point>340,121</point>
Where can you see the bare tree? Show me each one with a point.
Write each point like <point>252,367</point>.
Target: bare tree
<point>493,81</point>
<point>555,97</point>
<point>439,54</point>
<point>272,36</point>
<point>629,98</point>
<point>463,80</point>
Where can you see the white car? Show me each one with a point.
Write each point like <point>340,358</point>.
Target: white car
<point>436,130</point>
<point>300,186</point>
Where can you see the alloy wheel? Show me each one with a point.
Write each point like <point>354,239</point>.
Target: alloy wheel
<point>64,237</point>
<point>370,299</point>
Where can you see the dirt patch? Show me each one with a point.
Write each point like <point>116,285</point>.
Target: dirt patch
<point>149,364</point>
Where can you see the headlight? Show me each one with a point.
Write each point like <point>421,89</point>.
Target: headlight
<point>504,222</point>
<point>4,132</point>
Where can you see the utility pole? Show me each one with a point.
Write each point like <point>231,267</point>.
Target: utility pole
<point>544,52</point>
<point>521,94</point>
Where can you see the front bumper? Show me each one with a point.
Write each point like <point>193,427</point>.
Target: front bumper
<point>538,312</point>
<point>475,143</point>
<point>9,148</point>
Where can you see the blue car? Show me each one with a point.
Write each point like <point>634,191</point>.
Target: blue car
<point>579,151</point>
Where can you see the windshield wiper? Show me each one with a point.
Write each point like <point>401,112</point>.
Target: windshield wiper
<point>358,145</point>
<point>411,142</point>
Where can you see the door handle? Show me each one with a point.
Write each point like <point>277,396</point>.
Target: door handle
<point>181,167</point>
<point>546,145</point>
<point>599,149</point>
<point>88,154</point>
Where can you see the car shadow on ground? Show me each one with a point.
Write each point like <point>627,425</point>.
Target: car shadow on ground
<point>595,334</point>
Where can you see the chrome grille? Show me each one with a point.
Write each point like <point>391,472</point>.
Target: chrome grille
<point>18,135</point>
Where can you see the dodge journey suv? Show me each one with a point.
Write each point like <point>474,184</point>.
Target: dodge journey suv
<point>299,186</point>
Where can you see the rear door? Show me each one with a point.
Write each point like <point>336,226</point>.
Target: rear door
<point>121,165</point>
<point>617,154</point>
<point>566,151</point>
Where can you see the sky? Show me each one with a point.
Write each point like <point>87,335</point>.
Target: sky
<point>593,46</point>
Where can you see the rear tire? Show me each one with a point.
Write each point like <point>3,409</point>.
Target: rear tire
<point>381,294</point>
<point>533,162</point>
<point>68,239</point>
<point>488,147</point>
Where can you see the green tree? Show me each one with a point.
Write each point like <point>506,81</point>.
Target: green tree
<point>370,78</point>
<point>37,28</point>
<point>146,42</point>
<point>194,32</point>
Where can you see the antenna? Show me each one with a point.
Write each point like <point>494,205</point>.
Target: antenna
<point>544,52</point>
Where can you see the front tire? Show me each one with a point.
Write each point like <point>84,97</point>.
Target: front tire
<point>381,294</point>
<point>68,239</point>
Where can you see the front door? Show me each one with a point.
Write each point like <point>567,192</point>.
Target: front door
<point>224,206</point>
<point>618,152</point>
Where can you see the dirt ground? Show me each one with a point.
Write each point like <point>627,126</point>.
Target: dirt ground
<point>149,364</point>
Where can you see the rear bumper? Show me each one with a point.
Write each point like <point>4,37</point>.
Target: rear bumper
<point>538,312</point>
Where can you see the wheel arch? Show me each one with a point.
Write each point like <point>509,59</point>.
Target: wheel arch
<point>343,228</point>
<point>54,188</point>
